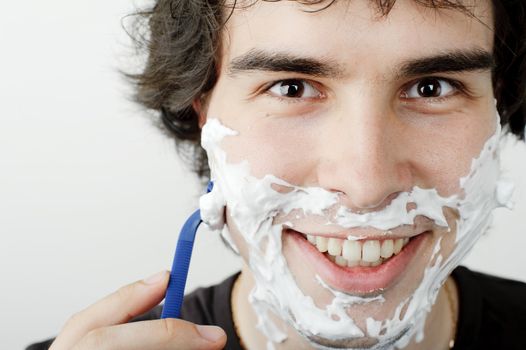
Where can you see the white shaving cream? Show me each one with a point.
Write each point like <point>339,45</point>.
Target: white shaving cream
<point>254,204</point>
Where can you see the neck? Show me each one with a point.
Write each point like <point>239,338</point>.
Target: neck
<point>438,331</point>
<point>441,322</point>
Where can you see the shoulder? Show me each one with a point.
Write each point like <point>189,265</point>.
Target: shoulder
<point>212,306</point>
<point>492,310</point>
<point>493,289</point>
<point>41,346</point>
<point>209,305</point>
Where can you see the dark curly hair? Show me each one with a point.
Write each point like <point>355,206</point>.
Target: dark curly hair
<point>181,39</point>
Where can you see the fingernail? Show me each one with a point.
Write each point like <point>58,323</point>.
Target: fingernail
<point>156,278</point>
<point>210,333</point>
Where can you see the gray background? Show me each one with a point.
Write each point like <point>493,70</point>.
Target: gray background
<point>92,196</point>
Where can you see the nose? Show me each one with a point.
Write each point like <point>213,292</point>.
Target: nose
<point>363,156</point>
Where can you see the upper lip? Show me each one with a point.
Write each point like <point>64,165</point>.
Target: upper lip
<point>367,233</point>
<point>378,236</point>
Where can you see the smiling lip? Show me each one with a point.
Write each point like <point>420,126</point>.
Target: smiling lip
<point>358,280</point>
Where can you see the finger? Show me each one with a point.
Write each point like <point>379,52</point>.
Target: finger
<point>165,334</point>
<point>118,307</point>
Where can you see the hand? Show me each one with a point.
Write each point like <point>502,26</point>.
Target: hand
<point>103,325</point>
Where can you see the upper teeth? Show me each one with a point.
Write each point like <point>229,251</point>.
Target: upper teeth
<point>354,253</point>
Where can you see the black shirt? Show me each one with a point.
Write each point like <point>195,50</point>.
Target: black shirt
<point>492,312</point>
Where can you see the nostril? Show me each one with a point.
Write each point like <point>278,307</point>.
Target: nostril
<point>410,206</point>
<point>366,204</point>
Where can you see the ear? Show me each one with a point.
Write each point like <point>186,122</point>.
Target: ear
<point>200,109</point>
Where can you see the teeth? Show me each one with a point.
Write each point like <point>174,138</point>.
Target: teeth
<point>377,262</point>
<point>398,244</point>
<point>351,263</point>
<point>386,250</point>
<point>322,243</point>
<point>335,246</point>
<point>340,260</point>
<point>371,251</point>
<point>357,253</point>
<point>352,250</point>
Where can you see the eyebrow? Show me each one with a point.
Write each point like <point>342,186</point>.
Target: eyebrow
<point>453,61</point>
<point>259,60</point>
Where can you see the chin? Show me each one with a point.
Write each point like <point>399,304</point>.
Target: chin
<point>364,305</point>
<point>354,343</point>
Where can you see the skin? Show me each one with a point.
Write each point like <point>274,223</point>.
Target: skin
<point>103,325</point>
<point>364,132</point>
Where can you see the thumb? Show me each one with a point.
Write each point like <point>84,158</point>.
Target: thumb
<point>129,301</point>
<point>119,307</point>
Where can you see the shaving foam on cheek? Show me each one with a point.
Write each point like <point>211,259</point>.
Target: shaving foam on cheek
<point>254,204</point>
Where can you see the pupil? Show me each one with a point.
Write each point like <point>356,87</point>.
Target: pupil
<point>291,88</point>
<point>429,88</point>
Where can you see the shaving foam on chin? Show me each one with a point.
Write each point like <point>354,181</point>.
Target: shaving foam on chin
<point>253,205</point>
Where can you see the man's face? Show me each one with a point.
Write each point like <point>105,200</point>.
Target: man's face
<point>363,106</point>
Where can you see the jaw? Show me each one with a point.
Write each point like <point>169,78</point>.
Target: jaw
<point>381,293</point>
<point>298,338</point>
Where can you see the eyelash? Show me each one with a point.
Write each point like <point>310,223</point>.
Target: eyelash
<point>457,85</point>
<point>290,100</point>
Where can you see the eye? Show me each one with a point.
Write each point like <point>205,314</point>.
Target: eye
<point>430,88</point>
<point>294,88</point>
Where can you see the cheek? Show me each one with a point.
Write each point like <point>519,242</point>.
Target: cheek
<point>434,159</point>
<point>435,151</point>
<point>271,145</point>
<point>237,237</point>
<point>276,149</point>
<point>437,166</point>
<point>440,157</point>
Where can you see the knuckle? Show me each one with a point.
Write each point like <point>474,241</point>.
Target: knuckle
<point>94,339</point>
<point>125,292</point>
<point>73,320</point>
<point>171,328</point>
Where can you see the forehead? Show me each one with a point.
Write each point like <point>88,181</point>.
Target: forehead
<point>354,32</point>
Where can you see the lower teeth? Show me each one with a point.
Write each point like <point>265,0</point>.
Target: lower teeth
<point>340,261</point>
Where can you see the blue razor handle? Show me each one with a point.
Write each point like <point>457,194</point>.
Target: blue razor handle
<point>181,263</point>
